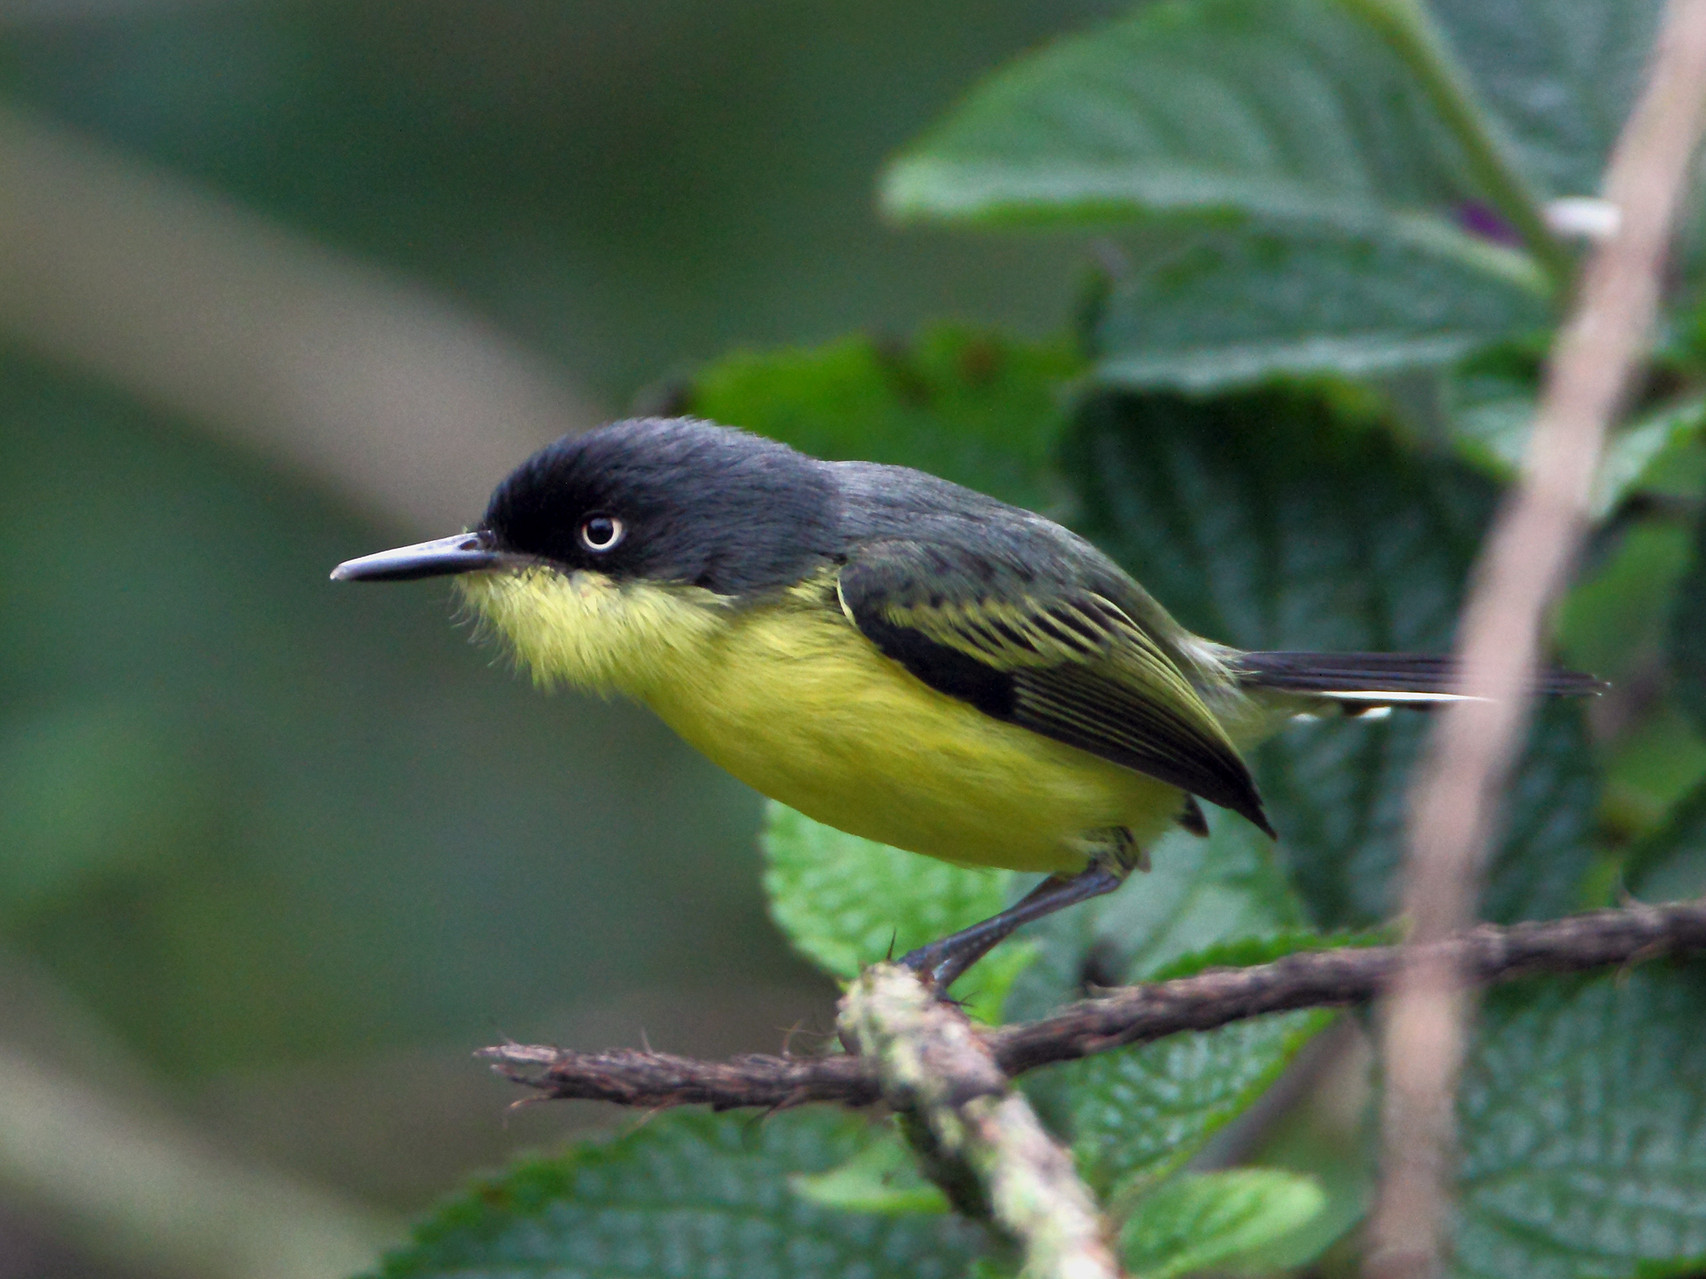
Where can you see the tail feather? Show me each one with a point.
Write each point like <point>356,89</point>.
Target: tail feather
<point>1385,679</point>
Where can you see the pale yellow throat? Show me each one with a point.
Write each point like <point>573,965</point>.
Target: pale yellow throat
<point>789,697</point>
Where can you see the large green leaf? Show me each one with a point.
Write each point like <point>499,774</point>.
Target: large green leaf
<point>1583,1129</point>
<point>1140,1115</point>
<point>1293,109</point>
<point>846,902</point>
<point>1212,1220</point>
<point>1221,309</point>
<point>1291,519</point>
<point>686,1195</point>
<point>971,406</point>
<point>1560,75</point>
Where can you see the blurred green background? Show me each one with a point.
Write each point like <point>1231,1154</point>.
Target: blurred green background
<point>285,283</point>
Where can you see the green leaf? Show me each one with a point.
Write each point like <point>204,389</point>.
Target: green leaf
<point>686,1194</point>
<point>1547,847</point>
<point>1560,75</point>
<point>1139,1114</point>
<point>1645,447</point>
<point>1656,765</point>
<point>1212,1220</point>
<point>1617,619</point>
<point>883,1177</point>
<point>966,404</point>
<point>1670,863</point>
<point>843,901</point>
<point>1583,1128</point>
<point>1290,109</point>
<point>1688,632</point>
<point>1617,622</point>
<point>1295,519</point>
<point>1282,517</point>
<point>846,902</point>
<point>1225,309</point>
<point>1492,416</point>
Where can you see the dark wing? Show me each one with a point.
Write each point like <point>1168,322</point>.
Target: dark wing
<point>1062,660</point>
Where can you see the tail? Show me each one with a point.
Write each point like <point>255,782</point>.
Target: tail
<point>1363,681</point>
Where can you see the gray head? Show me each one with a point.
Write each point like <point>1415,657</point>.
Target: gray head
<point>661,499</point>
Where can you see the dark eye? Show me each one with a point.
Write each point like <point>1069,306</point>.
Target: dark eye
<point>601,532</point>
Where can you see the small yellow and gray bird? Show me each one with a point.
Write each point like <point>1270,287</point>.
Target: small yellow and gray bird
<point>889,653</point>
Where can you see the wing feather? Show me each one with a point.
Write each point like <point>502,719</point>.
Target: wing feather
<point>1061,659</point>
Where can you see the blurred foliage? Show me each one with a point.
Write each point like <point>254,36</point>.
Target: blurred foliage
<point>246,818</point>
<point>956,401</point>
<point>296,849</point>
<point>196,796</point>
<point>623,185</point>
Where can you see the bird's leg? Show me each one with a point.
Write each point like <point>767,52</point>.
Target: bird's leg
<point>942,962</point>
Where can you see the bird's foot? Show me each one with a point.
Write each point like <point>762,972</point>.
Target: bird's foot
<point>943,962</point>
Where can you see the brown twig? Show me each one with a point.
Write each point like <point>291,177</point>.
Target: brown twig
<point>1526,560</point>
<point>1139,1014</point>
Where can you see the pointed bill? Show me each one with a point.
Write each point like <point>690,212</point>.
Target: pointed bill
<point>444,557</point>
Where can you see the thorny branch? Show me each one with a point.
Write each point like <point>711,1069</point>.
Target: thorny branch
<point>1310,979</point>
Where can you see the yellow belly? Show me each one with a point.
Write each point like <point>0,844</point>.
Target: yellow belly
<point>795,702</point>
<point>802,707</point>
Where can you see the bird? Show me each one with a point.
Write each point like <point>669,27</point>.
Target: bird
<point>889,653</point>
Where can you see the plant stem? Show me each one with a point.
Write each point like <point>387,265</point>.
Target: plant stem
<point>980,1138</point>
<point>1412,33</point>
<point>1524,563</point>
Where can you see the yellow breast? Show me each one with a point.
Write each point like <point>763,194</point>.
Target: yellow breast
<point>793,700</point>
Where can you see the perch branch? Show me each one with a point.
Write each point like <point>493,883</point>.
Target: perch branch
<point>1311,979</point>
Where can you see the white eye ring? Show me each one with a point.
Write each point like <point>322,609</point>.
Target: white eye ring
<point>601,533</point>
